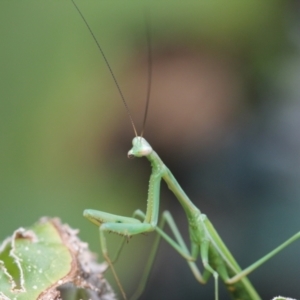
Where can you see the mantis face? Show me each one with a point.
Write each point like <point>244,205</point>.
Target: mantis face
<point>140,148</point>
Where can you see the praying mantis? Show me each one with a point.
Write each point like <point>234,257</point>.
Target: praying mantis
<point>205,242</point>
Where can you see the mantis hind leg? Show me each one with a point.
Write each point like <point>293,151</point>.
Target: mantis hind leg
<point>261,261</point>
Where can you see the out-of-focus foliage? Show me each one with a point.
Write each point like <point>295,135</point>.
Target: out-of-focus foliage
<point>61,115</point>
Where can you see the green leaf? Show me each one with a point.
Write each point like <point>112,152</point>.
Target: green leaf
<point>34,262</point>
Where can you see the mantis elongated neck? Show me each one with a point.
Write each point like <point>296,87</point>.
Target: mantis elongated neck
<point>159,170</point>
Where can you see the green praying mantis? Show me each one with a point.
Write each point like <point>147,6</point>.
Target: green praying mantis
<point>205,242</point>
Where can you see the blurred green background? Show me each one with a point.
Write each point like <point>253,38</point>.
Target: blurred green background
<point>224,116</point>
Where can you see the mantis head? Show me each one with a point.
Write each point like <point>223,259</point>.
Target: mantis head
<point>140,148</point>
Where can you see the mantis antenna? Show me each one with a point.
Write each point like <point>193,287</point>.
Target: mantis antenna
<point>148,36</point>
<point>113,75</point>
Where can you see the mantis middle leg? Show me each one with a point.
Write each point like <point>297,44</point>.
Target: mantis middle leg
<point>179,245</point>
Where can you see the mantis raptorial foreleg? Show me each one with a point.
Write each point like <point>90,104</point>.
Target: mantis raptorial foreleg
<point>121,225</point>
